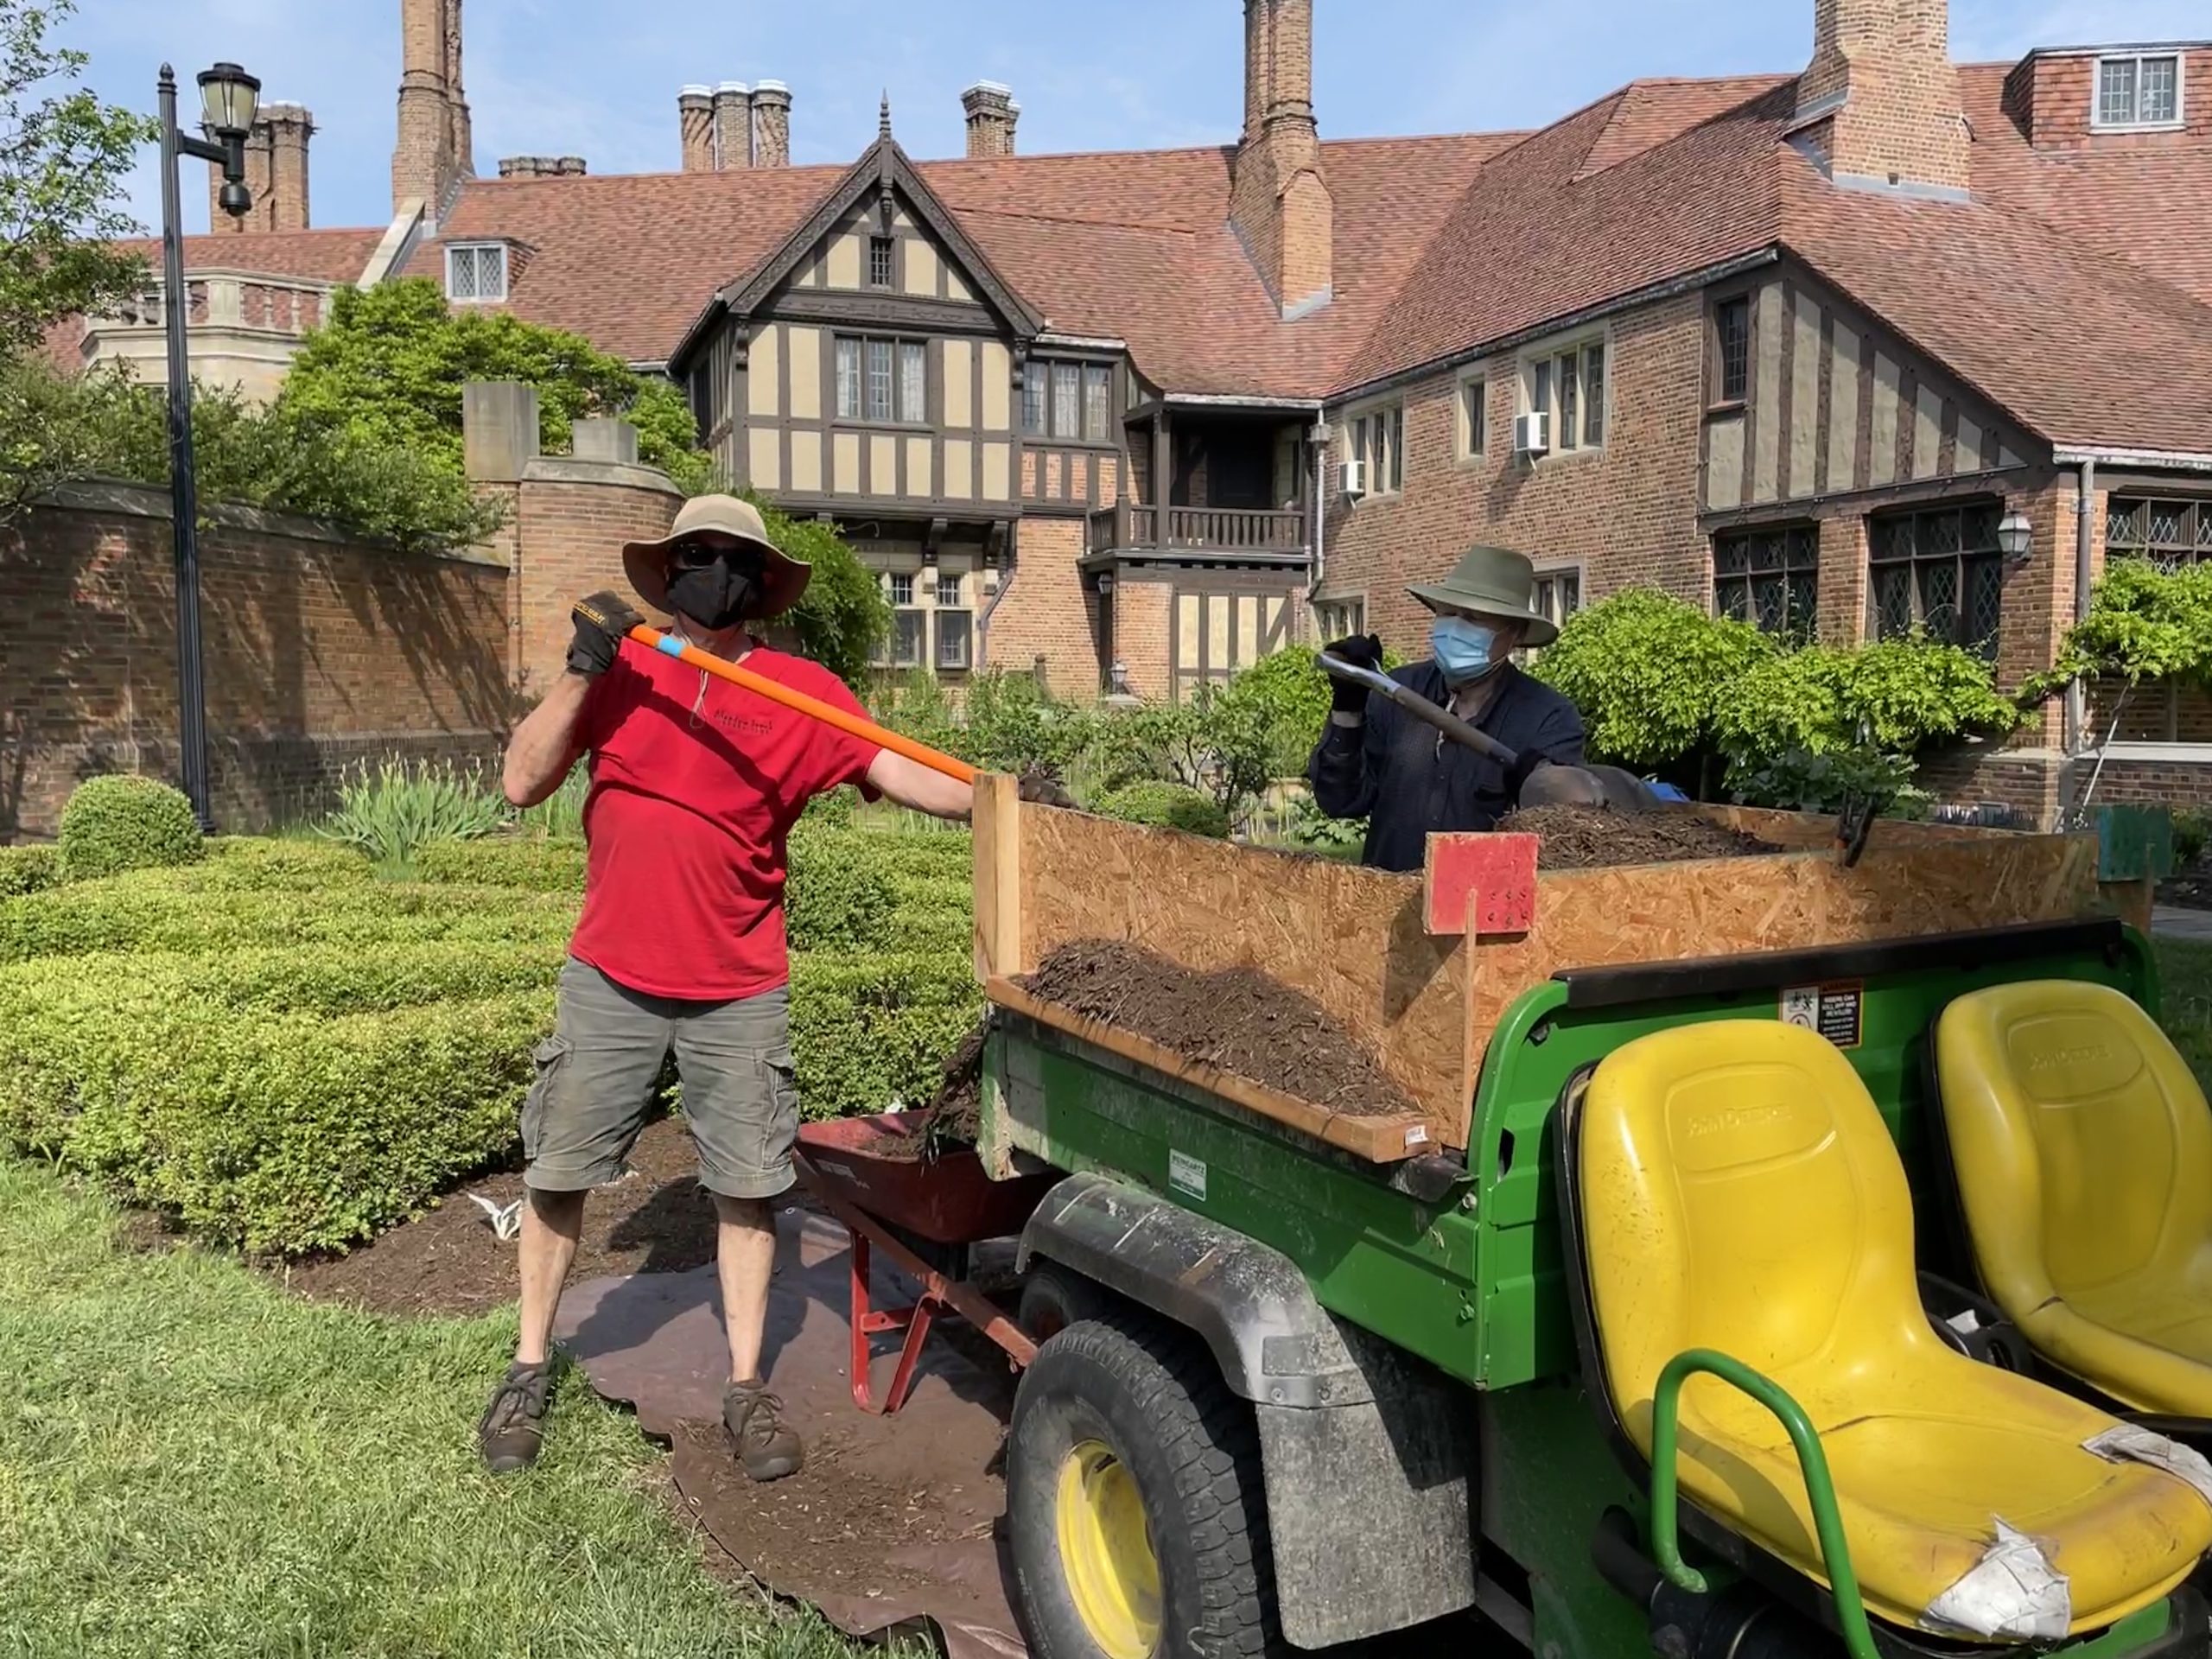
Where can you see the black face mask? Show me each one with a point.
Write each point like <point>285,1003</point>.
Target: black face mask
<point>716,596</point>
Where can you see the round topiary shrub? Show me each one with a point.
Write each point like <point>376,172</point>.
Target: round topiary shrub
<point>1169,806</point>
<point>122,822</point>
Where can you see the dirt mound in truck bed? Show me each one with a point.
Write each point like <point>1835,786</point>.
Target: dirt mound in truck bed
<point>1590,838</point>
<point>1238,1019</point>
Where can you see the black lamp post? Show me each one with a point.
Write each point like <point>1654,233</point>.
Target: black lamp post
<point>228,98</point>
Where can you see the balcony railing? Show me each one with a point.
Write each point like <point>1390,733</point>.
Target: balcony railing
<point>1230,530</point>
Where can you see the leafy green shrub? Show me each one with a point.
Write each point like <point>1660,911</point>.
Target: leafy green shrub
<point>505,861</point>
<point>842,619</point>
<point>869,1029</point>
<point>1899,695</point>
<point>1011,724</point>
<point>28,869</point>
<point>391,814</point>
<point>1214,744</point>
<point>2192,834</point>
<point>1170,806</point>
<point>121,822</point>
<point>839,893</point>
<point>925,890</point>
<point>2144,623</point>
<point>262,864</point>
<point>151,910</point>
<point>1649,674</point>
<point>1802,781</point>
<point>831,810</point>
<point>1287,694</point>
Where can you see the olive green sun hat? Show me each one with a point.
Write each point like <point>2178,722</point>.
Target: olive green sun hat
<point>1491,581</point>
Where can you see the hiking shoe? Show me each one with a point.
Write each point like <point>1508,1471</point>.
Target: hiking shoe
<point>767,1447</point>
<point>513,1425</point>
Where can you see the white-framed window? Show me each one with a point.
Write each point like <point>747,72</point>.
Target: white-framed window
<point>1558,592</point>
<point>901,584</point>
<point>476,272</point>
<point>1341,617</point>
<point>1377,436</point>
<point>1569,384</point>
<point>948,588</point>
<point>2138,91</point>
<point>1474,417</point>
<point>882,380</point>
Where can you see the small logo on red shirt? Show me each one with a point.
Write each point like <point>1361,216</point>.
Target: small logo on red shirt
<point>744,725</point>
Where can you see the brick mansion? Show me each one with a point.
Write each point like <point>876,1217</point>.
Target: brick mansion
<point>1792,347</point>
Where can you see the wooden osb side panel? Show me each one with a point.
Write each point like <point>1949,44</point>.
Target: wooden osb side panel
<point>1806,830</point>
<point>1351,939</point>
<point>1790,901</point>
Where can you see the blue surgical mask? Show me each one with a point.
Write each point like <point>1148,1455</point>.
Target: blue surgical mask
<point>1464,650</point>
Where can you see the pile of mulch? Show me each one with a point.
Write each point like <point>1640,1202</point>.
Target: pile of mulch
<point>1238,1020</point>
<point>1592,837</point>
<point>656,1219</point>
<point>954,1117</point>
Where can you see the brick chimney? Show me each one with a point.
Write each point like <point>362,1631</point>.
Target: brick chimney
<point>992,114</point>
<point>695,126</point>
<point>433,150</point>
<point>276,173</point>
<point>1879,105</point>
<point>1278,200</point>
<point>772,125</point>
<point>733,110</point>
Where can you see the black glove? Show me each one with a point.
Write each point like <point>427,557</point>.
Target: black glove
<point>1361,651</point>
<point>1041,786</point>
<point>602,621</point>
<point>1524,767</point>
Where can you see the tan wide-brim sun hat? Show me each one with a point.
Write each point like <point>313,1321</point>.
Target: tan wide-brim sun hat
<point>782,578</point>
<point>1491,581</point>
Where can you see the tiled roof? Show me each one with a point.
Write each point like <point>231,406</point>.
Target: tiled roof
<point>335,256</point>
<point>2067,262</point>
<point>2142,198</point>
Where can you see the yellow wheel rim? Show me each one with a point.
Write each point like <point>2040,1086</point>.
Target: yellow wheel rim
<point>1106,1552</point>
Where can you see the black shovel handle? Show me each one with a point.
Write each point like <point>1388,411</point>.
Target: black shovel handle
<point>1422,709</point>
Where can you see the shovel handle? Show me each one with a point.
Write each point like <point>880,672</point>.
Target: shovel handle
<point>1423,709</point>
<point>829,714</point>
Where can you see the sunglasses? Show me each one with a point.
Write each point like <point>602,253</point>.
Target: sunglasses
<point>698,556</point>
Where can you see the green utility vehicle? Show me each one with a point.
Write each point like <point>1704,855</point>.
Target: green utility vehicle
<point>1708,1311</point>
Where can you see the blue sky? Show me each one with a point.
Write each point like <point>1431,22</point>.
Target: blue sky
<point>583,77</point>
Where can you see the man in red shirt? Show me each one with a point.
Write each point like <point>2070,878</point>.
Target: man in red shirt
<point>695,784</point>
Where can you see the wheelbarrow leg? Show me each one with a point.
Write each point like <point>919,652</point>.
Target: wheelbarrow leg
<point>868,1322</point>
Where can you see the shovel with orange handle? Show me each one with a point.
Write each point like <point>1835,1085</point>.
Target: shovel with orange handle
<point>857,725</point>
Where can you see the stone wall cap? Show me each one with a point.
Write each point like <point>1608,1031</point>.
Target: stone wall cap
<point>770,87</point>
<point>695,90</point>
<point>735,87</point>
<point>567,469</point>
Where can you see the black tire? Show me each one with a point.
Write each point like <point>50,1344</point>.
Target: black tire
<point>1156,1402</point>
<point>1052,1298</point>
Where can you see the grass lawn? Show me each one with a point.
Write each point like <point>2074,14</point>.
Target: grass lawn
<point>193,1463</point>
<point>2186,970</point>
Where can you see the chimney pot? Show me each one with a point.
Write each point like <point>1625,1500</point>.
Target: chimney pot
<point>992,116</point>
<point>771,124</point>
<point>695,126</point>
<point>733,127</point>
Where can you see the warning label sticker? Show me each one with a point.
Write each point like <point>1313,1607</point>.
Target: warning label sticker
<point>1834,1011</point>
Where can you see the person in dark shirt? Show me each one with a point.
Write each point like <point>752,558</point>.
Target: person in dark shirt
<point>1405,776</point>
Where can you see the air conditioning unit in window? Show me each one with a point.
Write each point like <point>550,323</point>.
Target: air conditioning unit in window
<point>1351,478</point>
<point>1532,434</point>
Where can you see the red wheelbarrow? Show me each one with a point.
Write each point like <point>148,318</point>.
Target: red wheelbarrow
<point>869,1173</point>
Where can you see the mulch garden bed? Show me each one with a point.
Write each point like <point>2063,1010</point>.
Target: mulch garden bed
<point>656,1219</point>
<point>1236,1019</point>
<point>1590,838</point>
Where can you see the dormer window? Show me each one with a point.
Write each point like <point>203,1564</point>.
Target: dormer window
<point>476,272</point>
<point>2138,91</point>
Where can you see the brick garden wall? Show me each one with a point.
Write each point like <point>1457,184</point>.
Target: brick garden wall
<point>1046,613</point>
<point>319,652</point>
<point>570,522</point>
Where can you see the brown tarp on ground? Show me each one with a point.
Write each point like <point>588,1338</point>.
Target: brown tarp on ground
<point>893,1521</point>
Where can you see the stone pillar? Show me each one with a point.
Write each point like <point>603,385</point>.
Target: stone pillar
<point>694,126</point>
<point>992,115</point>
<point>499,431</point>
<point>733,127</point>
<point>772,125</point>
<point>606,440</point>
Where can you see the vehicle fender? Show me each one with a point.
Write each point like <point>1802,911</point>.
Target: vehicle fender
<point>1367,1452</point>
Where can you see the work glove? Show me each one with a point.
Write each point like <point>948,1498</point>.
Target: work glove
<point>1361,651</point>
<point>602,621</point>
<point>1041,786</point>
<point>1523,768</point>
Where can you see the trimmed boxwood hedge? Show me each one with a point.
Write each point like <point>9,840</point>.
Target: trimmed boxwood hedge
<point>125,823</point>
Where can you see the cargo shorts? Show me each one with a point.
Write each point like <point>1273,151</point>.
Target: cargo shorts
<point>596,1072</point>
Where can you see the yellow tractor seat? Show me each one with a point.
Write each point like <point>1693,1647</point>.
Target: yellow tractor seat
<point>2082,1149</point>
<point>1740,1192</point>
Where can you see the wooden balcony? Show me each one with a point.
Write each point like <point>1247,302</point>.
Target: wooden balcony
<point>1127,528</point>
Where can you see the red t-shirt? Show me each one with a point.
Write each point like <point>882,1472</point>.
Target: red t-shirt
<point>695,782</point>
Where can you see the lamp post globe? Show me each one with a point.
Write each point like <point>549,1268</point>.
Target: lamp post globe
<point>229,100</point>
<point>2015,535</point>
